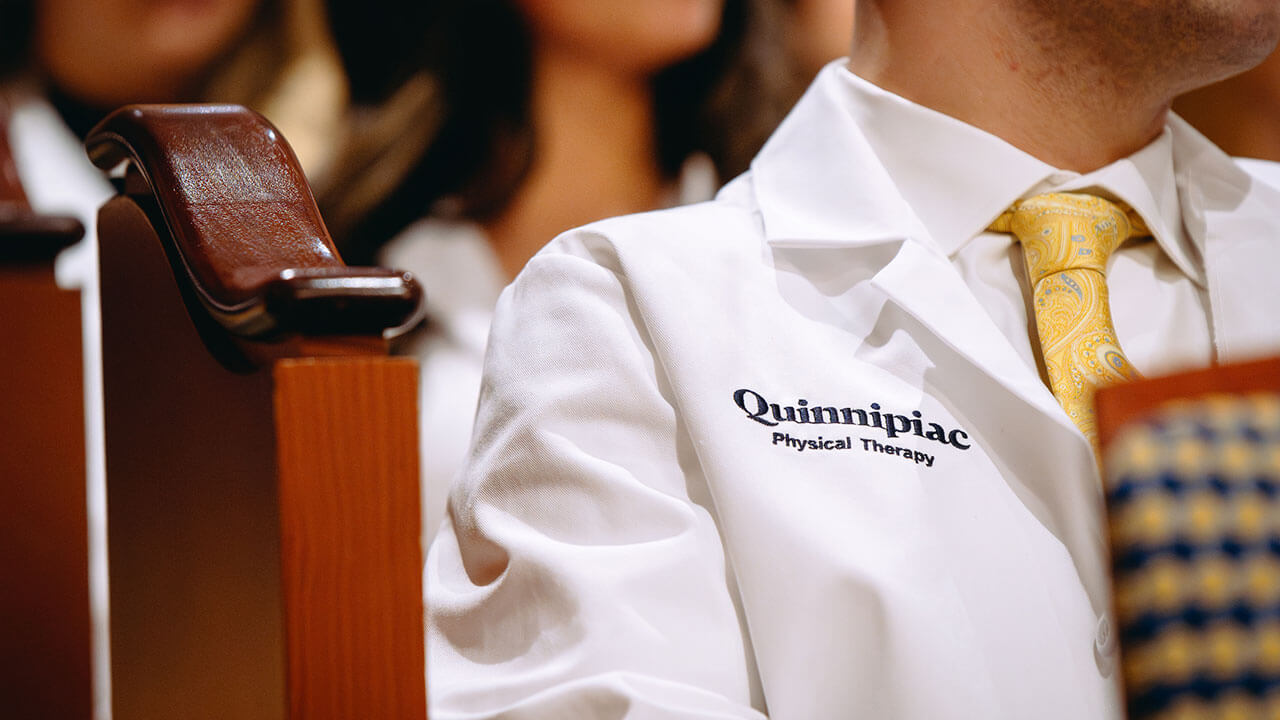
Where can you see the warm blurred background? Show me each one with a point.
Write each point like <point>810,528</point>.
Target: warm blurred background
<point>63,65</point>
<point>1240,114</point>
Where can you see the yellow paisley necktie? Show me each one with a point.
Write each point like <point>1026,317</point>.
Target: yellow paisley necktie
<point>1066,241</point>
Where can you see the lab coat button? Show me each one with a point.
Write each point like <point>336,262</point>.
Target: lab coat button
<point>1104,646</point>
<point>1105,638</point>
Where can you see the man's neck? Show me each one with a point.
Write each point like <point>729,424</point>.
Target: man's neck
<point>981,68</point>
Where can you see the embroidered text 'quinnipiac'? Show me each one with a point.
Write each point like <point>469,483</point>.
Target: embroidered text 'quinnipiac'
<point>802,413</point>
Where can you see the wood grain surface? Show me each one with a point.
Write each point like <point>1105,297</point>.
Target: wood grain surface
<point>346,433</point>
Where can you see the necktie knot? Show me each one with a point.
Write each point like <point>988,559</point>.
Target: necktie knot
<point>1064,231</point>
<point>1066,240</point>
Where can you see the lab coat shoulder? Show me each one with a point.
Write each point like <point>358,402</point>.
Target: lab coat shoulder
<point>664,281</point>
<point>579,552</point>
<point>686,240</point>
<point>1267,171</point>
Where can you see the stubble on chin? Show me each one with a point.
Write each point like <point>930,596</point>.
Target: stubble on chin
<point>1174,44</point>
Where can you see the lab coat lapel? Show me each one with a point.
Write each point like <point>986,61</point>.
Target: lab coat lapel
<point>1044,458</point>
<point>925,284</point>
<point>1231,217</point>
<point>820,188</point>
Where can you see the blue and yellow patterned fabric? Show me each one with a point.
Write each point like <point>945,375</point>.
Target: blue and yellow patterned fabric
<point>1194,510</point>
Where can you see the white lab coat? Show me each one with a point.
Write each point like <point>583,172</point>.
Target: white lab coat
<point>638,535</point>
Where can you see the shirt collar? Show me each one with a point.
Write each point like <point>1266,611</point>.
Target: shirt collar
<point>1146,182</point>
<point>910,171</point>
<point>955,177</point>
<point>958,178</point>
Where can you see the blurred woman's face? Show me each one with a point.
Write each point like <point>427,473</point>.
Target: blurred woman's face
<point>633,35</point>
<point>110,52</point>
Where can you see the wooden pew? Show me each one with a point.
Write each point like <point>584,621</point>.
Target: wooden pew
<point>1191,471</point>
<point>262,463</point>
<point>44,574</point>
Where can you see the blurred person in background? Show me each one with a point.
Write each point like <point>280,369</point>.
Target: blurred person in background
<point>531,117</point>
<point>64,64</point>
<point>1242,116</point>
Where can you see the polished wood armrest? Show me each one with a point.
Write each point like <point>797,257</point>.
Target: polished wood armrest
<point>26,237</point>
<point>242,225</point>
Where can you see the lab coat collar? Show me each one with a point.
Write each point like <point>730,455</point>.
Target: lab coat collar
<point>820,184</point>
<point>835,174</point>
<point>857,165</point>
<point>823,181</point>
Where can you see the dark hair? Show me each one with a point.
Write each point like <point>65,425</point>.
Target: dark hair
<point>723,101</point>
<point>17,19</point>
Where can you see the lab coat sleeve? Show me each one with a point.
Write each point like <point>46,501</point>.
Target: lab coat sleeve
<point>575,577</point>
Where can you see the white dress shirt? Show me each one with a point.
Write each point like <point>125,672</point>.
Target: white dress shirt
<point>958,178</point>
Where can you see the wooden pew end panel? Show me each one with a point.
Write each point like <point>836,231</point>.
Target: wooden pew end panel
<point>262,449</point>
